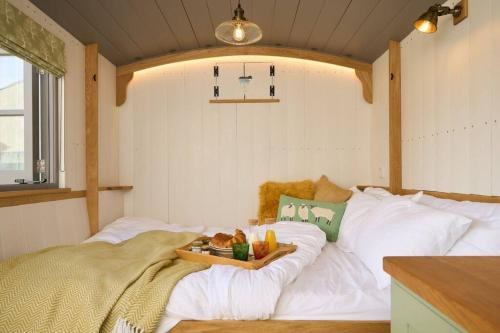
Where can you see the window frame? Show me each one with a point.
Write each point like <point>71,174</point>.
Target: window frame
<point>27,113</point>
<point>53,112</point>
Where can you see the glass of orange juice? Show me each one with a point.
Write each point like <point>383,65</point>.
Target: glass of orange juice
<point>260,249</point>
<point>271,239</point>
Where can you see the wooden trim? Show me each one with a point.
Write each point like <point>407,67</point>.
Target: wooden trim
<point>223,51</point>
<point>24,193</point>
<point>116,188</point>
<point>465,289</point>
<point>92,135</point>
<point>279,326</point>
<point>122,82</point>
<point>442,195</point>
<point>37,198</point>
<point>244,101</point>
<point>456,196</point>
<point>363,187</point>
<point>17,198</point>
<point>364,70</point>
<point>395,164</point>
<point>367,83</point>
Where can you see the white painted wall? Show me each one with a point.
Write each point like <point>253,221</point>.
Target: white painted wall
<point>192,162</point>
<point>380,122</point>
<point>110,202</point>
<point>32,227</point>
<point>450,104</point>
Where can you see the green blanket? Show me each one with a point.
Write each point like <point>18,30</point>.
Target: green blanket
<point>93,287</point>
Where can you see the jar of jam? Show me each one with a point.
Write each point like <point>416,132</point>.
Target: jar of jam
<point>196,246</point>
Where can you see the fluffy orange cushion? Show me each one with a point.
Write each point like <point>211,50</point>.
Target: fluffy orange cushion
<point>325,190</point>
<point>270,193</point>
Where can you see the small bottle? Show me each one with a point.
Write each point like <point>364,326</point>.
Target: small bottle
<point>254,235</point>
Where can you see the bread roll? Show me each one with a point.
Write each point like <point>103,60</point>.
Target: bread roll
<point>225,241</point>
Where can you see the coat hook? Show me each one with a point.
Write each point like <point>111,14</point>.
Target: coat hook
<point>392,76</point>
<point>94,77</point>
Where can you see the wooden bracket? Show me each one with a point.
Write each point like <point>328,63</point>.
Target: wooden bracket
<point>366,81</point>
<point>122,82</point>
<point>92,135</point>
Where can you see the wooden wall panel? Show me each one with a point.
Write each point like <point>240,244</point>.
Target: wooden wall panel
<point>194,162</point>
<point>36,226</point>
<point>379,133</point>
<point>108,124</point>
<point>450,81</point>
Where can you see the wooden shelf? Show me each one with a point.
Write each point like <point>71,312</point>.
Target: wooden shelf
<point>116,188</point>
<point>243,101</point>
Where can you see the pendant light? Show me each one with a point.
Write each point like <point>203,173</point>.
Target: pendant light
<point>238,31</point>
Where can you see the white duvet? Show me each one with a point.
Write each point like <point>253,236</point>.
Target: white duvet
<point>227,292</point>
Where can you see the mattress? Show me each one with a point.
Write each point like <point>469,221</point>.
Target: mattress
<point>334,286</point>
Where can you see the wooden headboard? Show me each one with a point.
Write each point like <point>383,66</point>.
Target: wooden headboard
<point>444,195</point>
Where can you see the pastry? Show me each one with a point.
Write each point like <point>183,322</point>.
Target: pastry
<point>225,241</point>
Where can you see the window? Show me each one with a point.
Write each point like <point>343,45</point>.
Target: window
<point>28,125</point>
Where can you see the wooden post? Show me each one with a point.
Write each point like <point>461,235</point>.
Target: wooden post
<point>92,135</point>
<point>395,164</point>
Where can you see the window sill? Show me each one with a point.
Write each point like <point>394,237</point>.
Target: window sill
<point>30,196</point>
<point>31,192</point>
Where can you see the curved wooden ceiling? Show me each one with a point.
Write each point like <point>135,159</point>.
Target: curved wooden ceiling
<point>130,30</point>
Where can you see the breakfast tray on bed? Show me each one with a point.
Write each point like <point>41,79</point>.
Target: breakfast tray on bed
<point>186,254</point>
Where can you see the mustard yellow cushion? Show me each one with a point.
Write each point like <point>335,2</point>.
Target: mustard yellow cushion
<point>270,193</point>
<point>325,190</point>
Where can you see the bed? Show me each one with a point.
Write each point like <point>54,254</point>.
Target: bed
<point>332,285</point>
<point>323,286</point>
<point>333,291</point>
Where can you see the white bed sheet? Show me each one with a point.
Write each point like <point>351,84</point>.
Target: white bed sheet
<point>337,286</point>
<point>330,284</point>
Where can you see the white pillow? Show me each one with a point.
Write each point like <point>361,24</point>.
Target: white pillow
<point>483,236</point>
<point>481,211</point>
<point>400,227</point>
<point>357,207</point>
<point>482,239</point>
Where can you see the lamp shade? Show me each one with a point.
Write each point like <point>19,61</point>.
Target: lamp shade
<point>427,22</point>
<point>238,32</point>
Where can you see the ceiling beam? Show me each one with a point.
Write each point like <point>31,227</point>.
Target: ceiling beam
<point>224,51</point>
<point>363,69</point>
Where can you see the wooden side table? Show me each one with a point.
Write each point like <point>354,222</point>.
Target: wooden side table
<point>444,294</point>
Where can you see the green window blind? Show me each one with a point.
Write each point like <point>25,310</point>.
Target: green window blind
<point>23,37</point>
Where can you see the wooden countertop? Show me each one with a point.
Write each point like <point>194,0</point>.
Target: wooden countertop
<point>466,289</point>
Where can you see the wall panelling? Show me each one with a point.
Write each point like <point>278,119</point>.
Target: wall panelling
<point>192,162</point>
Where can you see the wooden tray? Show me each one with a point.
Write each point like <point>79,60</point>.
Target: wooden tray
<point>186,254</point>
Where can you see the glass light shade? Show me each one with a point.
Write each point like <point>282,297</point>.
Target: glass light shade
<point>238,32</point>
<point>427,22</point>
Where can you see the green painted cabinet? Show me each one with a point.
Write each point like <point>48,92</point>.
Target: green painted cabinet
<point>411,314</point>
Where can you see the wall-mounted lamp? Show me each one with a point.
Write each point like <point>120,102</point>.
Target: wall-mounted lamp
<point>428,21</point>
